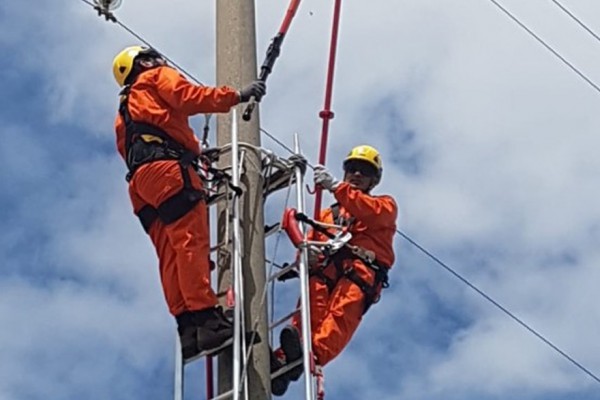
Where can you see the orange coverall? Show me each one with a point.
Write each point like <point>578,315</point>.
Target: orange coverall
<point>163,97</point>
<point>335,315</point>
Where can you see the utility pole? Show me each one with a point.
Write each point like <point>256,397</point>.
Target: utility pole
<point>237,67</point>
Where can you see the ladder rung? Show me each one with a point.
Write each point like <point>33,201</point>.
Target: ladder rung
<point>251,338</point>
<point>287,368</point>
<point>217,198</point>
<point>270,230</point>
<point>283,319</point>
<point>282,272</point>
<point>224,395</point>
<point>219,246</point>
<point>278,373</point>
<point>208,353</point>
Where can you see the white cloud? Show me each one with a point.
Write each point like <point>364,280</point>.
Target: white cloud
<point>489,143</point>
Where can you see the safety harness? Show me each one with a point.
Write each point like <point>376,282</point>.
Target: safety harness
<point>146,143</point>
<point>339,255</point>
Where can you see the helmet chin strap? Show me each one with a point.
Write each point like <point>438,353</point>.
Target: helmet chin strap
<point>371,186</point>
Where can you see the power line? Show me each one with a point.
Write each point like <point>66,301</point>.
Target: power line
<point>280,143</point>
<point>405,236</point>
<point>144,41</point>
<point>498,305</point>
<point>570,14</point>
<point>477,290</point>
<point>111,17</point>
<point>547,46</point>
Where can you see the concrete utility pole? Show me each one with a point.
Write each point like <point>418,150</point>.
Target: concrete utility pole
<point>237,67</point>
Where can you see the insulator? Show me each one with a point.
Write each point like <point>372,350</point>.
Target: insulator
<point>108,5</point>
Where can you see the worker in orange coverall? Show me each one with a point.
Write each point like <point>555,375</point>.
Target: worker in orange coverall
<point>343,286</point>
<point>160,150</point>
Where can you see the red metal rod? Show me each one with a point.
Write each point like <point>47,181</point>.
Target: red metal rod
<point>326,114</point>
<point>291,11</point>
<point>272,54</point>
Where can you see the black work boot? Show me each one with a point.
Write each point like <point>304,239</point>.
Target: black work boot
<point>213,329</point>
<point>292,348</point>
<point>187,334</point>
<point>279,385</point>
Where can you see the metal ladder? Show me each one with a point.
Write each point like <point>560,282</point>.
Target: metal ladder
<point>239,390</point>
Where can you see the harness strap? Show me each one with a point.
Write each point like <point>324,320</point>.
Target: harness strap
<point>145,143</point>
<point>147,216</point>
<point>338,219</point>
<point>319,273</point>
<point>176,206</point>
<point>370,291</point>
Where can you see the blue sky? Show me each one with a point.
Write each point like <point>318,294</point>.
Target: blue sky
<point>489,144</point>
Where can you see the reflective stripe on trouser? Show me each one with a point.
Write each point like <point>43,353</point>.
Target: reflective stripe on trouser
<point>335,316</point>
<point>183,246</point>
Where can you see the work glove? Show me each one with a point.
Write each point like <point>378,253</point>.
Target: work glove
<point>323,177</point>
<point>256,89</point>
<point>299,161</point>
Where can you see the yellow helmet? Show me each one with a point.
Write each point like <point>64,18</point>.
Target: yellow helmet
<point>123,62</point>
<point>368,154</point>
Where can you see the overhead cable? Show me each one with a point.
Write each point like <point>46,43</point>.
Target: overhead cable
<point>570,14</point>
<point>547,46</point>
<point>405,236</point>
<point>499,306</point>
<point>111,17</point>
<point>144,41</point>
<point>479,291</point>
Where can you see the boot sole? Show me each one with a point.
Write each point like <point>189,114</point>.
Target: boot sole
<point>279,383</point>
<point>220,348</point>
<point>292,347</point>
<point>279,386</point>
<point>210,352</point>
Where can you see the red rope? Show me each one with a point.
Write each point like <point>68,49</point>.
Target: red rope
<point>326,114</point>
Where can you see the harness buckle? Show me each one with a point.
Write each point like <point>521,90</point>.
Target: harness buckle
<point>340,240</point>
<point>364,254</point>
<point>150,138</point>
